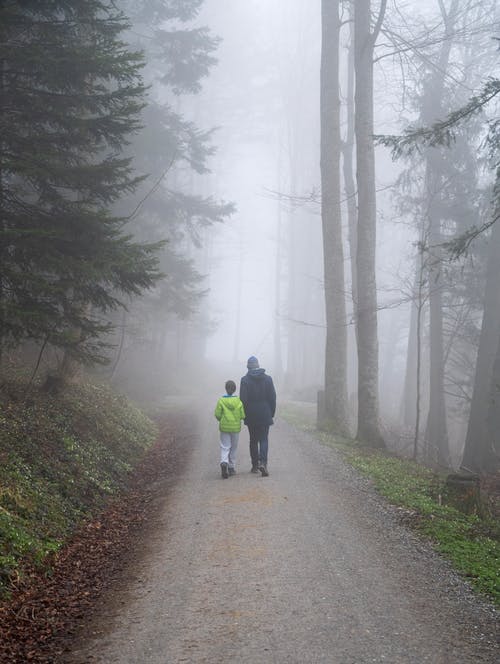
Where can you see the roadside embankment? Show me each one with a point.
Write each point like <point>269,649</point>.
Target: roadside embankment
<point>61,457</point>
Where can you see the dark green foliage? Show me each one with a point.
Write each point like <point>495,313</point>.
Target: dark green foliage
<point>71,97</point>
<point>59,460</point>
<point>167,10</point>
<point>186,57</point>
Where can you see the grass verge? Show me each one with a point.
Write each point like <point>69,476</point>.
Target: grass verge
<point>470,541</point>
<point>60,459</point>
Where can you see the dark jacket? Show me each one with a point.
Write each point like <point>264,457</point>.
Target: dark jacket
<point>259,397</point>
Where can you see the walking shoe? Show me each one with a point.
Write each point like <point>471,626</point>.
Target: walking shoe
<point>255,469</point>
<point>263,470</point>
<point>231,471</point>
<point>223,470</point>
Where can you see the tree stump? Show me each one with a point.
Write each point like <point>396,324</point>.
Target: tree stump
<point>463,492</point>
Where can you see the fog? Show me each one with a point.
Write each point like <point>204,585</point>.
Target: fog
<point>370,296</point>
<point>263,96</point>
<point>264,265</point>
<point>252,167</point>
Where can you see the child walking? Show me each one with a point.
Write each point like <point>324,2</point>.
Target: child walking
<point>229,411</point>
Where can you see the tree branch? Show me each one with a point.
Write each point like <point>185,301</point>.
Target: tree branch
<point>380,20</point>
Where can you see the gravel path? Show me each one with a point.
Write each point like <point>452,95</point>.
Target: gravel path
<point>308,565</point>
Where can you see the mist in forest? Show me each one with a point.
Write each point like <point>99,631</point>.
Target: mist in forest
<point>265,266</point>
<point>312,183</point>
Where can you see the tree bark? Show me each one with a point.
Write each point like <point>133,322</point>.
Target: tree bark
<point>479,443</point>
<point>348,161</point>
<point>348,146</point>
<point>368,400</point>
<point>333,255</point>
<point>436,433</point>
<point>409,400</point>
<point>277,340</point>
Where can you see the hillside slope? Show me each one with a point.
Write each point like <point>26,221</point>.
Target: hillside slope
<point>60,458</point>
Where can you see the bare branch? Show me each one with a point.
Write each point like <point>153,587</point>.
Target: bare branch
<point>380,20</point>
<point>153,188</point>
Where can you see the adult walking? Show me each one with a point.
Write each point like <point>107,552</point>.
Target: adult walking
<point>259,401</point>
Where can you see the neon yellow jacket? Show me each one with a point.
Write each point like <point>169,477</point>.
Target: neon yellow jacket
<point>229,411</point>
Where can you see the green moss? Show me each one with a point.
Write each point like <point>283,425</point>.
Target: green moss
<point>470,541</point>
<point>59,461</point>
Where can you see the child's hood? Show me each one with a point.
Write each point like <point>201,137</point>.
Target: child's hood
<point>230,402</point>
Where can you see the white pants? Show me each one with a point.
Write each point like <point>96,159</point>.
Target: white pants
<point>228,448</point>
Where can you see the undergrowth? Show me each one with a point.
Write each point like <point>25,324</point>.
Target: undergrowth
<point>60,458</point>
<point>470,541</point>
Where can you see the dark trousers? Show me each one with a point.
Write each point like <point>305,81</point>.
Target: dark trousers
<point>258,443</point>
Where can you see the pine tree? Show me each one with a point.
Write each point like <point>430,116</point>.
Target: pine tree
<point>174,152</point>
<point>71,95</point>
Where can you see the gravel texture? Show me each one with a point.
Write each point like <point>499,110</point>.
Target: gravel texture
<point>307,565</point>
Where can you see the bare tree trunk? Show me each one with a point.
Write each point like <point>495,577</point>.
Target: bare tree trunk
<point>408,402</point>
<point>488,454</point>
<point>368,398</point>
<point>123,325</point>
<point>418,359</point>
<point>348,162</point>
<point>333,255</point>
<point>239,286</point>
<point>436,433</point>
<point>478,452</point>
<point>293,308</point>
<point>3,247</point>
<point>348,146</point>
<point>388,368</point>
<point>70,369</point>
<point>278,355</point>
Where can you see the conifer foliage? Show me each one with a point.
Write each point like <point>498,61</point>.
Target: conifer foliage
<point>71,97</point>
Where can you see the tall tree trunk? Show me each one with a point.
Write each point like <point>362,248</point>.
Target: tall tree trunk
<point>293,309</point>
<point>239,287</point>
<point>418,350</point>
<point>348,146</point>
<point>436,434</point>
<point>478,452</point>
<point>333,255</point>
<point>2,226</point>
<point>408,402</point>
<point>70,369</point>
<point>488,454</point>
<point>348,161</point>
<point>278,355</point>
<point>366,319</point>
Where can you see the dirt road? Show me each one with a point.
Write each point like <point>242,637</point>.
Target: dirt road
<point>307,565</point>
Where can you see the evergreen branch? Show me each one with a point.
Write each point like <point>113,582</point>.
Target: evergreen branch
<point>460,245</point>
<point>442,132</point>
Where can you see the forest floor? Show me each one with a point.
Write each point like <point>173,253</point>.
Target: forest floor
<point>307,565</point>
